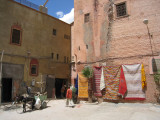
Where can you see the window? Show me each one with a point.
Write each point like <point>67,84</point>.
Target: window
<point>64,59</point>
<point>34,67</point>
<point>86,17</point>
<point>86,46</point>
<point>54,31</point>
<point>16,35</point>
<point>79,48</point>
<point>121,9</point>
<point>67,36</point>
<point>57,56</point>
<point>154,65</point>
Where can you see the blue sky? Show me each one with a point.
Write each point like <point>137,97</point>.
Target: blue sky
<point>61,9</point>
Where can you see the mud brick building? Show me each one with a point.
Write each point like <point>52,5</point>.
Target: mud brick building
<point>35,50</point>
<point>116,32</point>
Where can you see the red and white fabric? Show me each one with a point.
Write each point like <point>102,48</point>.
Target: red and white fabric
<point>133,77</point>
<point>97,78</point>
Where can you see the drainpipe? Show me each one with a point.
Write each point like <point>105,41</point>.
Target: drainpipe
<point>1,76</point>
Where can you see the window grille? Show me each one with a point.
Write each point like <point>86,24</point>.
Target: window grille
<point>121,9</point>
<point>86,17</point>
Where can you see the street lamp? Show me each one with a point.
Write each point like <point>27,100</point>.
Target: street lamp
<point>145,21</point>
<point>154,66</point>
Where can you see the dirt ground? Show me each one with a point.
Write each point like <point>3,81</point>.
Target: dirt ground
<point>57,110</point>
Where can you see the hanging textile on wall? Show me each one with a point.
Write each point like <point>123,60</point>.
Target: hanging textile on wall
<point>144,84</point>
<point>112,76</point>
<point>76,84</point>
<point>96,81</point>
<point>122,84</point>
<point>82,86</point>
<point>102,82</point>
<point>133,78</point>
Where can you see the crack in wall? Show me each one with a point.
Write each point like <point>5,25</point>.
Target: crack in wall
<point>96,3</point>
<point>110,20</point>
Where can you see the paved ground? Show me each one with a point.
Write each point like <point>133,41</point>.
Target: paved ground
<point>84,111</point>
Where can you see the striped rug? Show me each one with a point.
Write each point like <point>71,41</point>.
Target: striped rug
<point>96,81</point>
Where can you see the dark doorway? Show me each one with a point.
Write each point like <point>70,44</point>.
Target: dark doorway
<point>6,89</point>
<point>50,84</point>
<point>58,86</point>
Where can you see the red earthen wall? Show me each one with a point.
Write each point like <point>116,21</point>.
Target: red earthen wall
<point>129,42</point>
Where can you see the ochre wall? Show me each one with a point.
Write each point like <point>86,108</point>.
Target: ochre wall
<point>37,38</point>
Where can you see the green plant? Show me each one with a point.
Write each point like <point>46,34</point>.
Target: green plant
<point>156,77</point>
<point>87,72</point>
<point>157,81</point>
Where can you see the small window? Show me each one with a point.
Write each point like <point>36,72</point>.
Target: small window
<point>64,59</point>
<point>54,31</point>
<point>86,17</point>
<point>79,48</point>
<point>121,9</point>
<point>16,35</point>
<point>57,56</point>
<point>154,65</point>
<point>67,36</point>
<point>34,67</point>
<point>86,46</point>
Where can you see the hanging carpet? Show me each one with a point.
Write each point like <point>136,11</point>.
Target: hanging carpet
<point>76,84</point>
<point>133,77</point>
<point>82,86</point>
<point>112,76</point>
<point>96,81</point>
<point>122,84</point>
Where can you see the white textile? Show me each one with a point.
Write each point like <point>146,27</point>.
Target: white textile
<point>133,75</point>
<point>102,82</point>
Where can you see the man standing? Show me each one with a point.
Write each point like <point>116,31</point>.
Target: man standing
<point>69,101</point>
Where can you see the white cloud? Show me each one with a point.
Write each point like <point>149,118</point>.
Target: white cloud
<point>60,14</point>
<point>69,17</point>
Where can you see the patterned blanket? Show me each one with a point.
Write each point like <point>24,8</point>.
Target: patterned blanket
<point>96,81</point>
<point>112,76</point>
<point>133,78</point>
<point>82,86</point>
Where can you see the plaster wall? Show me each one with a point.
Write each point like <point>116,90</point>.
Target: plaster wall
<point>124,41</point>
<point>37,38</point>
